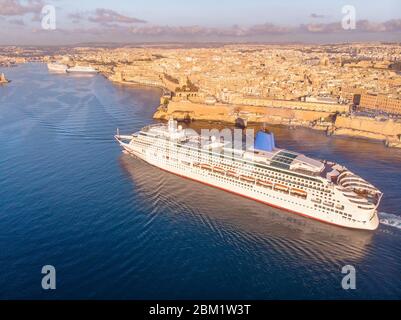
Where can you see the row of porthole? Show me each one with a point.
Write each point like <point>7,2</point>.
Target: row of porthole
<point>291,181</point>
<point>248,187</point>
<point>195,157</point>
<point>245,185</point>
<point>236,182</point>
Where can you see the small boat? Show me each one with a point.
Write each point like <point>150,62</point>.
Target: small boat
<point>280,187</point>
<point>265,184</point>
<point>219,170</point>
<point>3,79</point>
<point>247,179</point>
<point>328,203</point>
<point>57,67</point>
<point>231,173</point>
<point>299,193</point>
<point>206,166</point>
<point>82,69</point>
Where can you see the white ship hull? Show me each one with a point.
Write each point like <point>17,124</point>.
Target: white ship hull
<point>273,198</point>
<point>318,198</point>
<point>55,67</point>
<point>83,70</point>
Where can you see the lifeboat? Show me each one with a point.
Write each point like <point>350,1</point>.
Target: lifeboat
<point>316,200</point>
<point>280,187</point>
<point>219,170</point>
<point>196,165</point>
<point>328,203</point>
<point>298,192</point>
<point>206,167</point>
<point>340,206</point>
<point>265,184</point>
<point>231,173</point>
<point>247,179</point>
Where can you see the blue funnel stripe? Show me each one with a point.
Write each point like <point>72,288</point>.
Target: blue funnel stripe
<point>264,141</point>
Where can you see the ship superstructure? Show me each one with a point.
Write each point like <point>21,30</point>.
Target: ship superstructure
<point>321,190</point>
<point>82,69</point>
<point>57,67</point>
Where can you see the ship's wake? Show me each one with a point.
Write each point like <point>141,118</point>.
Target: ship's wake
<point>391,220</point>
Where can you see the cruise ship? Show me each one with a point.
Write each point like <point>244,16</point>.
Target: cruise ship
<point>317,189</point>
<point>82,69</point>
<point>57,67</point>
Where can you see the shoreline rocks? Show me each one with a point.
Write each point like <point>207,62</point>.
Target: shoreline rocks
<point>387,131</point>
<point>278,113</point>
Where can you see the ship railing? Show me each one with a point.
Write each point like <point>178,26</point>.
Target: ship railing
<point>282,159</point>
<point>250,162</point>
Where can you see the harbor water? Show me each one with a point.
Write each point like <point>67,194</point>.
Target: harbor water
<point>115,227</point>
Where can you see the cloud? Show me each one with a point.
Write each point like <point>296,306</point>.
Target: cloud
<point>113,30</point>
<point>18,22</point>
<point>106,16</point>
<point>268,28</point>
<point>20,8</point>
<point>393,25</point>
<point>322,27</point>
<point>368,26</point>
<point>361,26</point>
<point>233,31</point>
<point>76,17</point>
<point>317,16</point>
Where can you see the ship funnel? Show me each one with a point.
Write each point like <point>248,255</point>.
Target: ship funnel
<point>265,141</point>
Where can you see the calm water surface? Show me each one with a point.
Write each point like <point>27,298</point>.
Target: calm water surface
<point>117,228</point>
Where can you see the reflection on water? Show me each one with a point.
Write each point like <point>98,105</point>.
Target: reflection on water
<point>298,247</point>
<point>212,207</point>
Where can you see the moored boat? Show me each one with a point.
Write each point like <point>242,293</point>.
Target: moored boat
<point>57,67</point>
<point>82,69</point>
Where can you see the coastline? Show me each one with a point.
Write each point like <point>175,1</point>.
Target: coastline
<point>338,123</point>
<point>335,121</point>
<point>387,132</point>
<point>103,203</point>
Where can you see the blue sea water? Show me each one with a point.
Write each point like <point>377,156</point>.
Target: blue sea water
<point>117,228</point>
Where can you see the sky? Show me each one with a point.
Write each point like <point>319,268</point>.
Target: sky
<point>190,21</point>
<point>229,12</point>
